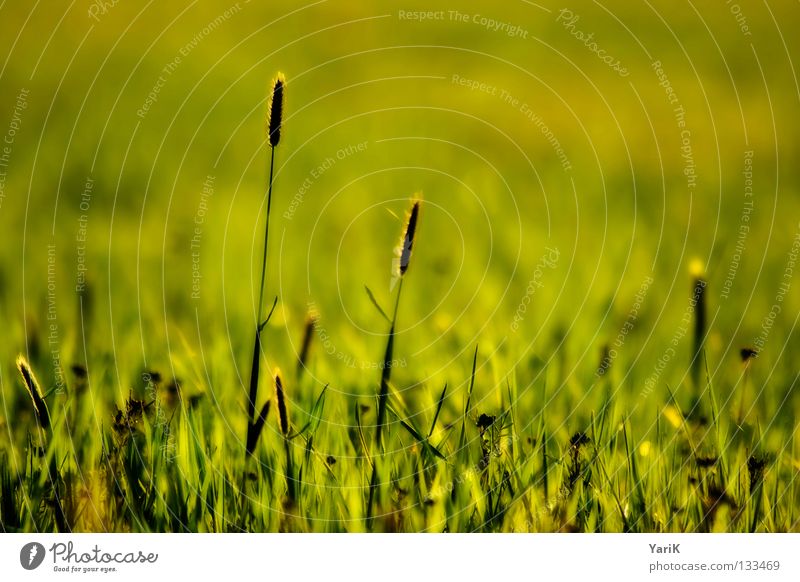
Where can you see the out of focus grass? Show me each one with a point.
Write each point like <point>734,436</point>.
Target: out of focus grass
<point>375,112</point>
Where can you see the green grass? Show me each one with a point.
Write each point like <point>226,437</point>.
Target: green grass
<point>544,369</point>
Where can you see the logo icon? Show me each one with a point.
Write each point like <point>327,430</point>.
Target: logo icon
<point>31,555</point>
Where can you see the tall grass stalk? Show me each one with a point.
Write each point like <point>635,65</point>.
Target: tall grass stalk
<point>305,347</point>
<point>37,398</point>
<point>45,428</point>
<point>256,424</point>
<point>400,266</point>
<point>699,293</point>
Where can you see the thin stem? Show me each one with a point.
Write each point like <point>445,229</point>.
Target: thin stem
<point>397,301</point>
<point>386,374</point>
<point>383,397</point>
<point>254,370</point>
<point>266,240</point>
<point>290,481</point>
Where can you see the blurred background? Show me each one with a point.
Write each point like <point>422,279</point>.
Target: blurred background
<point>566,156</point>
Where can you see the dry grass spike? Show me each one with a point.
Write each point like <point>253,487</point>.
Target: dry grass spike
<point>407,242</point>
<point>276,110</point>
<point>283,410</point>
<point>39,405</point>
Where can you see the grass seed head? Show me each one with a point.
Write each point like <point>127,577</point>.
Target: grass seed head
<point>39,405</point>
<point>308,334</point>
<point>756,464</point>
<point>407,242</point>
<point>748,354</point>
<point>283,410</point>
<point>485,421</point>
<point>276,110</point>
<point>579,439</point>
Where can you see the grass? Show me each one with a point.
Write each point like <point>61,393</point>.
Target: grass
<point>163,464</point>
<point>300,402</point>
<point>158,467</point>
<point>255,424</point>
<point>402,263</point>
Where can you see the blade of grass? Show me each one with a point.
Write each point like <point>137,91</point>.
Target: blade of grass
<point>438,410</point>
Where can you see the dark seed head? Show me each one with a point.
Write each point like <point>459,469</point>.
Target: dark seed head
<point>706,462</point>
<point>276,111</point>
<point>485,421</point>
<point>579,439</point>
<point>280,398</point>
<point>39,405</point>
<point>748,354</point>
<point>755,469</point>
<point>308,334</point>
<point>408,238</point>
<point>79,371</point>
<point>135,409</point>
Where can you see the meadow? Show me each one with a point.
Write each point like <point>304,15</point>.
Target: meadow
<point>529,268</point>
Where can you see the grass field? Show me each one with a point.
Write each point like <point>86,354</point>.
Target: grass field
<point>588,323</point>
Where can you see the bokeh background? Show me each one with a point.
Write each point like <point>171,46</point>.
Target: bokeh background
<point>136,162</point>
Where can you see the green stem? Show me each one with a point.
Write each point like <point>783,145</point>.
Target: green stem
<point>386,373</point>
<point>252,435</point>
<point>383,398</point>
<point>290,481</point>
